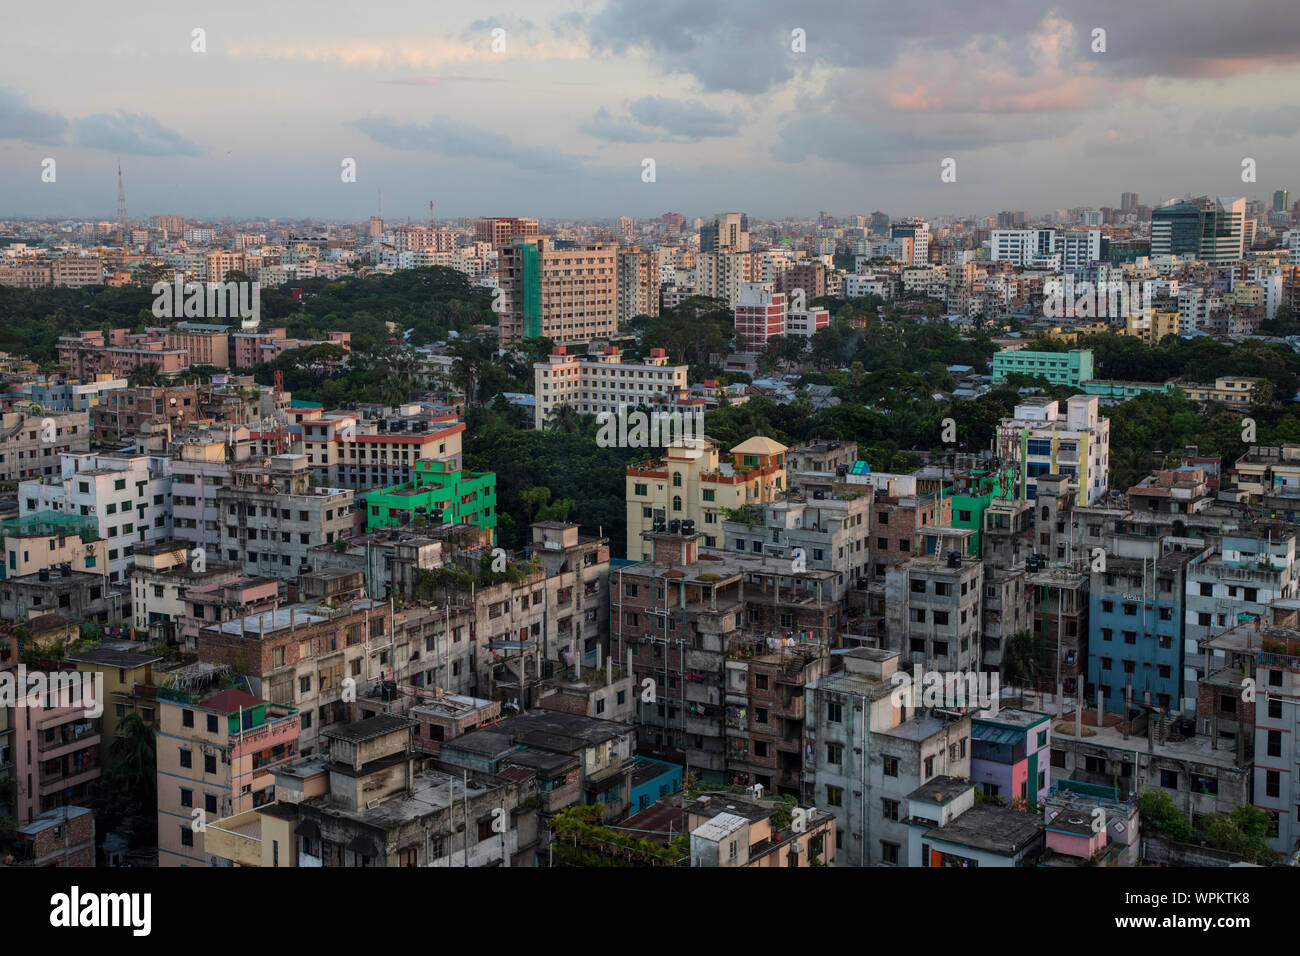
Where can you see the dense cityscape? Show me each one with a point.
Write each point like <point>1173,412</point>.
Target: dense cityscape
<point>690,535</point>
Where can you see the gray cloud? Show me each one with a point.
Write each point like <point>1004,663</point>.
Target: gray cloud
<point>134,133</point>
<point>744,45</point>
<point>606,127</point>
<point>20,120</point>
<point>687,120</point>
<point>657,119</point>
<point>456,140</point>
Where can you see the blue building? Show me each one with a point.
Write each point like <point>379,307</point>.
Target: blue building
<point>652,780</point>
<point>1136,616</point>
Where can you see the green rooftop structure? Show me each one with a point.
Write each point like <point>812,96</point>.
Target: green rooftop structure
<point>442,493</point>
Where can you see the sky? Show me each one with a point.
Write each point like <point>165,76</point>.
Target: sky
<point>551,108</point>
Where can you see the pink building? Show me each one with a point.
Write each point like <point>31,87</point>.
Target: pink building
<point>55,751</point>
<point>760,315</point>
<point>216,758</point>
<point>225,601</point>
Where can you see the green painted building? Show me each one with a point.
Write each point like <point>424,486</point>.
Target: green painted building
<point>968,508</point>
<point>461,497</point>
<point>1060,368</point>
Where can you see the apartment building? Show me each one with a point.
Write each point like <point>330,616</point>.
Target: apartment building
<point>1042,439</point>
<point>351,450</point>
<point>691,483</point>
<point>127,495</point>
<point>31,442</point>
<point>638,284</point>
<point>721,274</point>
<point>1238,578</point>
<point>499,230</point>
<point>1137,620</point>
<point>760,315</point>
<point>46,540</point>
<point>55,746</point>
<point>128,678</point>
<point>730,831</point>
<point>824,531</point>
<point>272,517</point>
<point>301,655</point>
<point>1071,368</point>
<point>216,758</point>
<point>933,612</point>
<point>566,294</point>
<point>603,383</point>
<point>869,753</point>
<point>133,412</point>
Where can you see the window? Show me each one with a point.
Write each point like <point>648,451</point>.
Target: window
<point>212,723</point>
<point>835,754</point>
<point>834,796</point>
<point>889,808</point>
<point>209,763</point>
<point>834,712</point>
<point>889,766</point>
<point>187,758</point>
<point>187,718</point>
<point>187,797</point>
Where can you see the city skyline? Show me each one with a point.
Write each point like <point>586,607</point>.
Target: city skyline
<point>557,123</point>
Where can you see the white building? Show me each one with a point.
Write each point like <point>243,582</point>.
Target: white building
<point>602,383</point>
<point>129,496</point>
<point>1043,439</point>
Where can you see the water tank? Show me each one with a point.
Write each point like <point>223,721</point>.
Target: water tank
<point>674,527</point>
<point>688,526</point>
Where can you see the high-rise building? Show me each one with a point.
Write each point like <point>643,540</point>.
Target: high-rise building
<point>1128,202</point>
<point>638,284</point>
<point>760,315</point>
<point>500,230</point>
<point>1282,200</point>
<point>1211,230</point>
<point>918,230</point>
<point>568,294</point>
<point>729,232</point>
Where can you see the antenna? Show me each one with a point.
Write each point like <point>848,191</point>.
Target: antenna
<point>121,200</point>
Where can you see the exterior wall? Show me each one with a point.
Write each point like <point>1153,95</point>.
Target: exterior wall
<point>24,452</point>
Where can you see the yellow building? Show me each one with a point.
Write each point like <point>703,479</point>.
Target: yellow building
<point>691,482</point>
<point>1236,390</point>
<point>128,688</point>
<point>1151,325</point>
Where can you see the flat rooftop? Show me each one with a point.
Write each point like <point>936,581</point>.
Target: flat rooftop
<point>990,828</point>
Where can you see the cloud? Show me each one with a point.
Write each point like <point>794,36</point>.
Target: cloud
<point>657,119</point>
<point>440,79</point>
<point>1280,121</point>
<point>606,127</point>
<point>745,45</point>
<point>453,139</point>
<point>135,133</point>
<point>20,120</point>
<point>523,42</point>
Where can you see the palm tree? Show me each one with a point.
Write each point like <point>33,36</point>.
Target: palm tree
<point>134,769</point>
<point>144,374</point>
<point>565,420</point>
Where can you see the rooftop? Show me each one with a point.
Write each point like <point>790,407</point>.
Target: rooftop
<point>991,828</point>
